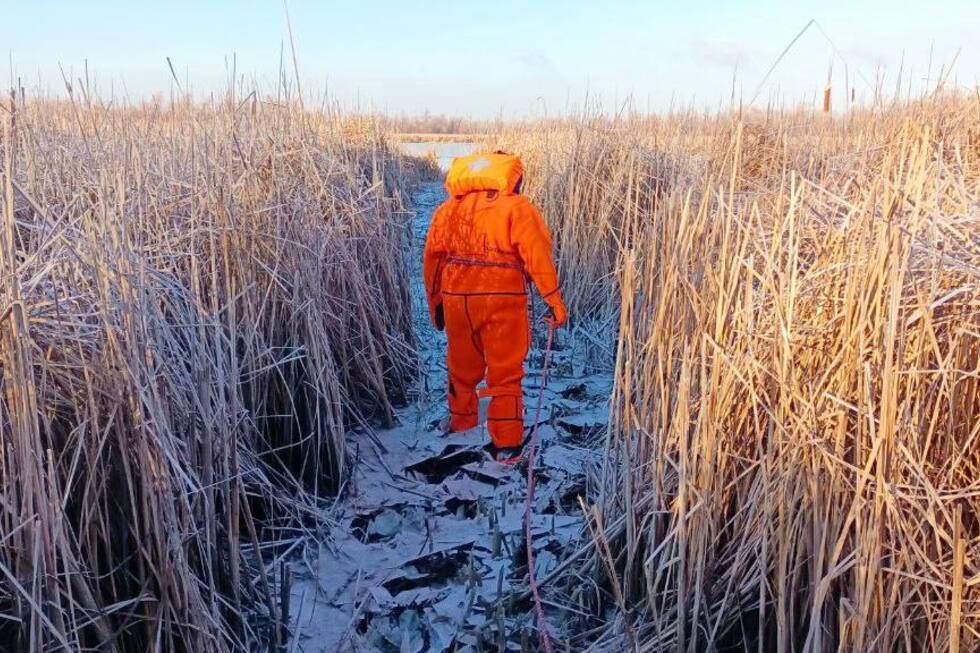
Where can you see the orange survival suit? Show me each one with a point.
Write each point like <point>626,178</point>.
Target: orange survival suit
<point>483,245</point>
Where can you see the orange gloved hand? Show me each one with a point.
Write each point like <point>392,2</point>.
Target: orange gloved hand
<point>558,315</point>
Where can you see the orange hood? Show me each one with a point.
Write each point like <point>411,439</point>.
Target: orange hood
<point>484,171</point>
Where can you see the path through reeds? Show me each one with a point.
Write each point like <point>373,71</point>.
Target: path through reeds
<point>427,552</point>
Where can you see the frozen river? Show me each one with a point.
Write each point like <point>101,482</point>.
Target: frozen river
<point>445,151</point>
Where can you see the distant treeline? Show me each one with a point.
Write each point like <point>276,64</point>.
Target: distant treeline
<point>428,123</point>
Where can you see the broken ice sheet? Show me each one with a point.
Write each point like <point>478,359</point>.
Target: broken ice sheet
<point>420,596</point>
<point>442,631</point>
<point>436,567</point>
<point>572,390</point>
<point>383,600</point>
<point>385,525</point>
<point>544,561</point>
<point>570,460</point>
<point>584,425</point>
<point>467,489</point>
<point>404,634</point>
<point>413,518</point>
<point>491,471</point>
<point>437,468</point>
<point>453,604</point>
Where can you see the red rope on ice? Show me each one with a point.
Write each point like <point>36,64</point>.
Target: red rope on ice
<point>543,639</point>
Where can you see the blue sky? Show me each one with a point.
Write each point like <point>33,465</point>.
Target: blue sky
<point>488,58</point>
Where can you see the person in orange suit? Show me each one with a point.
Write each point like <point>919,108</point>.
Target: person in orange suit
<point>484,243</point>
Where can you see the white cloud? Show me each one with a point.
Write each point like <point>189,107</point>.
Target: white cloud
<point>726,54</point>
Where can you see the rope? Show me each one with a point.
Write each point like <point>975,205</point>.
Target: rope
<point>543,639</point>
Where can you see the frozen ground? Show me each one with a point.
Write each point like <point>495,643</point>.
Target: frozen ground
<point>427,549</point>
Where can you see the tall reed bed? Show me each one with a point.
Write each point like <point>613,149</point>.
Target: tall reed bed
<point>197,302</point>
<point>792,462</point>
<point>588,177</point>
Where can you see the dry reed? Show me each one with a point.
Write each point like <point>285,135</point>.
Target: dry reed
<point>197,302</point>
<point>792,460</point>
